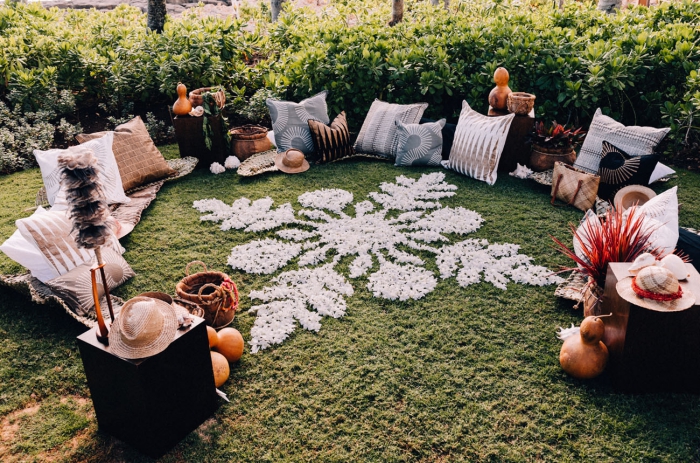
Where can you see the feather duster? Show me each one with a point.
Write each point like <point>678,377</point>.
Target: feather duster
<point>88,205</point>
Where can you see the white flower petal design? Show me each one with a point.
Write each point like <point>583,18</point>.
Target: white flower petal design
<point>332,200</point>
<point>316,290</point>
<point>266,256</point>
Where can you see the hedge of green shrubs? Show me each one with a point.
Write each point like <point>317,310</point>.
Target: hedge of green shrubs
<point>640,65</point>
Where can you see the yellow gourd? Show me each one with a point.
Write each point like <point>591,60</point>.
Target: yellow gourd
<point>182,106</point>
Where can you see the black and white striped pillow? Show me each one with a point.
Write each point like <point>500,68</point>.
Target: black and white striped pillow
<point>331,143</point>
<point>634,140</point>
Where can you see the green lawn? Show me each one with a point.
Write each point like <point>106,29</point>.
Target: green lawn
<point>460,375</point>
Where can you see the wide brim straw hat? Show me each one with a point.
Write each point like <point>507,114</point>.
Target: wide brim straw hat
<point>633,195</point>
<point>292,161</point>
<point>144,327</point>
<point>657,280</point>
<point>258,164</point>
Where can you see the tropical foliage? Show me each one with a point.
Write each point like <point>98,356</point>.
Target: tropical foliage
<point>639,66</point>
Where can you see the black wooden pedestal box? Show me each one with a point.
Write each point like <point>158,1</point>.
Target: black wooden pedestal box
<point>152,403</point>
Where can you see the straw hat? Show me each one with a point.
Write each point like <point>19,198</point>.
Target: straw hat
<point>144,327</point>
<point>292,161</point>
<point>631,195</point>
<point>655,288</point>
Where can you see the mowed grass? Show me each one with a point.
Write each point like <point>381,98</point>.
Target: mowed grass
<point>464,374</point>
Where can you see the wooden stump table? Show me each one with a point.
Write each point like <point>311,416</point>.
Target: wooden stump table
<point>190,140</point>
<point>152,403</point>
<point>515,150</point>
<point>651,351</point>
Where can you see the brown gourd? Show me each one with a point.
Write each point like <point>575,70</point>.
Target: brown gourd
<point>220,367</point>
<point>584,356</point>
<point>230,344</point>
<point>498,98</point>
<point>182,106</point>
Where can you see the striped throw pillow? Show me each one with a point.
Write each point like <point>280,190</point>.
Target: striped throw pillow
<point>478,144</point>
<point>378,133</point>
<point>331,143</point>
<point>634,140</point>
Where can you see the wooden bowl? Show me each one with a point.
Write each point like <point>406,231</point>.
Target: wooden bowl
<point>521,103</point>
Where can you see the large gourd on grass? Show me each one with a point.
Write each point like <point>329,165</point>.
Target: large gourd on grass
<point>584,356</point>
<point>230,344</point>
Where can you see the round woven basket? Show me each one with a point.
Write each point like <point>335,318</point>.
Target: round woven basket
<point>196,97</point>
<point>248,140</point>
<point>213,291</point>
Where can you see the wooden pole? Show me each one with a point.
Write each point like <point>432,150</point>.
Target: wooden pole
<point>102,331</point>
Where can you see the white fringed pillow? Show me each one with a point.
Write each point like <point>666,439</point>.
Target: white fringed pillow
<point>107,164</point>
<point>478,144</point>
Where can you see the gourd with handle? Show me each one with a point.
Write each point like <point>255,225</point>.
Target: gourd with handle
<point>182,106</point>
<point>585,356</point>
<point>498,98</point>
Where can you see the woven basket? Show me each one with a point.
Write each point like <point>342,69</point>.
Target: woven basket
<point>196,97</point>
<point>214,292</point>
<point>258,164</point>
<point>248,140</point>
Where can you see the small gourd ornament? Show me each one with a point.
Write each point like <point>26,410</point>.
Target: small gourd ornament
<point>182,106</point>
<point>498,98</point>
<point>585,356</point>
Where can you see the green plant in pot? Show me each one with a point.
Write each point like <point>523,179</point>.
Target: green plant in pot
<point>553,142</point>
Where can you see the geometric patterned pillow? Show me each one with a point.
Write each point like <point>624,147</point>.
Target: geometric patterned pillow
<point>331,143</point>
<point>618,170</point>
<point>50,233</point>
<point>108,171</point>
<point>634,140</point>
<point>378,133</point>
<point>75,287</point>
<point>290,121</point>
<point>138,159</point>
<point>419,144</point>
<point>478,144</point>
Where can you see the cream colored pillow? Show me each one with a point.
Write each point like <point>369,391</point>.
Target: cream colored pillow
<point>478,144</point>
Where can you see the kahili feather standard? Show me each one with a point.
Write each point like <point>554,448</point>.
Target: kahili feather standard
<point>90,215</point>
<point>86,199</point>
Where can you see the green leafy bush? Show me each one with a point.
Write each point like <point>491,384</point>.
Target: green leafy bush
<point>640,66</point>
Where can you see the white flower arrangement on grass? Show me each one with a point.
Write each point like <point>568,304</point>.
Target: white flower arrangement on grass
<point>378,240</point>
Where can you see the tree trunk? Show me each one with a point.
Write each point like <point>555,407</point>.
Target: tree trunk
<point>156,15</point>
<point>275,8</point>
<point>609,6</point>
<point>396,12</point>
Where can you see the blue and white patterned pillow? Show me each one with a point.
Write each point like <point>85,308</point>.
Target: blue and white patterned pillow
<point>378,132</point>
<point>419,144</point>
<point>290,121</point>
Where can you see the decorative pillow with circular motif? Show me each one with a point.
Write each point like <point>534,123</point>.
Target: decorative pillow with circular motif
<point>618,169</point>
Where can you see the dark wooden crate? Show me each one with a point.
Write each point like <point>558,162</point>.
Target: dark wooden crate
<point>152,403</point>
<point>651,351</point>
<point>190,139</point>
<point>515,151</point>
